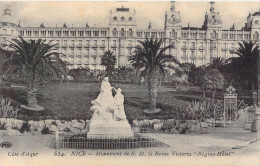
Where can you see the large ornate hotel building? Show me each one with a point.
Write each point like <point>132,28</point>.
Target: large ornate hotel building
<point>84,46</point>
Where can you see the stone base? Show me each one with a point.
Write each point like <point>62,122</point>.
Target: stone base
<point>37,108</point>
<point>109,129</point>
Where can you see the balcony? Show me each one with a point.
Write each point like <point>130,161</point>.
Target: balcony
<point>64,46</point>
<point>57,46</point>
<point>78,56</point>
<point>130,45</point>
<point>86,46</point>
<point>232,48</point>
<point>213,47</point>
<point>201,48</point>
<point>184,57</point>
<point>184,48</point>
<point>192,57</point>
<point>86,56</point>
<point>223,49</point>
<point>102,45</point>
<point>192,48</point>
<point>94,45</point>
<point>72,46</point>
<point>114,46</point>
<point>71,56</point>
<point>79,45</point>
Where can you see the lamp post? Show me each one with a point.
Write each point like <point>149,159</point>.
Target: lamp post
<point>254,95</point>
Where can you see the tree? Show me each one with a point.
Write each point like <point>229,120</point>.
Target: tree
<point>246,62</point>
<point>213,79</point>
<point>217,63</point>
<point>109,61</point>
<point>36,61</point>
<point>150,59</point>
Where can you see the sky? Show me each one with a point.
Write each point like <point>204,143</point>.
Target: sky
<point>96,13</point>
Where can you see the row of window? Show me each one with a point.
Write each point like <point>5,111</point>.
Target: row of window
<point>122,19</point>
<point>64,33</point>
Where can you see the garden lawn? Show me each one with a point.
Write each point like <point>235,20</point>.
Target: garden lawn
<point>73,100</point>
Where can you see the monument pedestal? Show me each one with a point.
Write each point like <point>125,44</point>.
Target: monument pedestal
<point>109,129</point>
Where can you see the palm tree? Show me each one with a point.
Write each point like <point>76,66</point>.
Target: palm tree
<point>213,79</point>
<point>109,61</point>
<point>151,60</point>
<point>217,63</point>
<point>36,61</point>
<point>246,62</point>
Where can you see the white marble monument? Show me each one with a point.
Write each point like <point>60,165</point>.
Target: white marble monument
<point>109,119</point>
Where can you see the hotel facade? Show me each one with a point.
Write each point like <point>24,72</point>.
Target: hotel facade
<point>84,46</point>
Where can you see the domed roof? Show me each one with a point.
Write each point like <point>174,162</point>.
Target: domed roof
<point>7,16</point>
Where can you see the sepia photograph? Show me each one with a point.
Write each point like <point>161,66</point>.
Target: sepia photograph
<point>130,83</point>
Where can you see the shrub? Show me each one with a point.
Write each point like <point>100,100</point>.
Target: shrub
<point>46,130</point>
<point>25,127</point>
<point>6,110</point>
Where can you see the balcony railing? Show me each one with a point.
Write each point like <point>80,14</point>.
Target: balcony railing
<point>72,46</point>
<point>183,47</point>
<point>64,46</point>
<point>79,45</point>
<point>113,46</point>
<point>102,45</point>
<point>213,48</point>
<point>193,48</point>
<point>223,49</point>
<point>94,45</point>
<point>201,48</point>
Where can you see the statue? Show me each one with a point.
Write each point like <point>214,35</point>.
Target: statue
<point>102,106</point>
<point>109,119</point>
<point>119,112</point>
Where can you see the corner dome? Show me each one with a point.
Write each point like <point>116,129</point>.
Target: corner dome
<point>7,17</point>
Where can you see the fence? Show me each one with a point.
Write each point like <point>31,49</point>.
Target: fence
<point>83,142</point>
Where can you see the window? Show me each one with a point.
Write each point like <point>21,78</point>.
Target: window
<point>122,33</point>
<point>255,36</point>
<point>184,35</point>
<point>139,34</point>
<point>193,35</point>
<point>4,31</point>
<point>73,33</point>
<point>202,35</point>
<point>87,51</point>
<point>173,34</point>
<point>193,44</point>
<point>12,32</point>
<point>154,34</point>
<point>115,18</point>
<point>81,33</point>
<point>88,33</point>
<point>147,34</point>
<point>114,42</point>
<point>224,36</point>
<point>122,18</point>
<point>114,51</point>
<point>96,33</point>
<point>130,19</point>
<point>114,32</point>
<point>130,33</point>
<point>184,44</point>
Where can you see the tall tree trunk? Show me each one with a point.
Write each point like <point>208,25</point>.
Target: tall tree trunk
<point>213,96</point>
<point>152,88</point>
<point>31,96</point>
<point>32,80</point>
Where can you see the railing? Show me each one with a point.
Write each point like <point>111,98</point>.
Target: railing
<point>113,46</point>
<point>79,45</point>
<point>72,46</point>
<point>86,45</point>
<point>64,45</point>
<point>83,142</point>
<point>183,47</point>
<point>201,48</point>
<point>193,48</point>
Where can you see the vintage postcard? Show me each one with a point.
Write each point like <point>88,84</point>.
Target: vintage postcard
<point>129,83</point>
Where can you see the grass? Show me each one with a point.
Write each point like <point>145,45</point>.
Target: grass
<point>73,100</point>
